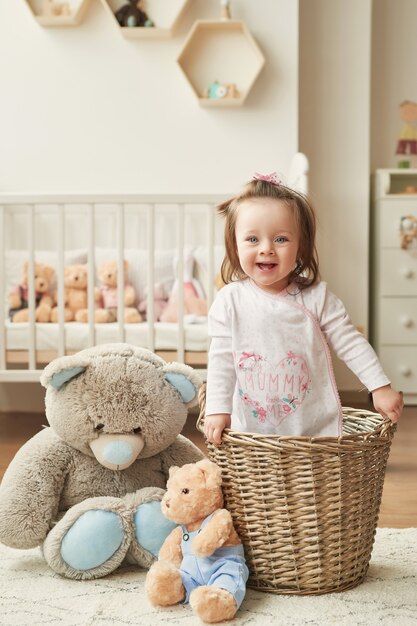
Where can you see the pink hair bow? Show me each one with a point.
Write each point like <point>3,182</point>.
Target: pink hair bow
<point>267,178</point>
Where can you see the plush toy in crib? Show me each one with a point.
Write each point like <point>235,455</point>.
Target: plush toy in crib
<point>107,309</point>
<point>18,297</point>
<point>202,560</point>
<point>88,488</point>
<point>160,300</point>
<point>75,294</point>
<point>132,15</point>
<point>195,305</point>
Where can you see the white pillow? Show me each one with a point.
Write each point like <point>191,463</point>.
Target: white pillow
<point>14,260</point>
<point>200,257</point>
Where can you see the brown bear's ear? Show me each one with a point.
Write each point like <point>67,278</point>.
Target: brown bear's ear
<point>211,472</point>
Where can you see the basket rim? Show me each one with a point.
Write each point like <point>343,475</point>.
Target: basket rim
<point>382,433</point>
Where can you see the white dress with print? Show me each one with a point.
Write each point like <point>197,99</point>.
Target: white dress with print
<point>270,365</point>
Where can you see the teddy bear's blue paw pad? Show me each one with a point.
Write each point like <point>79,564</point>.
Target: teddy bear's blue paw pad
<point>151,526</point>
<point>92,539</point>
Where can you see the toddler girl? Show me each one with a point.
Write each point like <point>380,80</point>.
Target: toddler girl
<point>269,368</point>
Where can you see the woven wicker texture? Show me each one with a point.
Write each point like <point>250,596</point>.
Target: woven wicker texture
<point>306,509</point>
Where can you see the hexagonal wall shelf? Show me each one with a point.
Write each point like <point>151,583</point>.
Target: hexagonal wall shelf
<point>58,12</point>
<point>221,61</point>
<point>164,14</point>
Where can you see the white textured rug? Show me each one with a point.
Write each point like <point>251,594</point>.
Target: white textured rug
<point>31,594</point>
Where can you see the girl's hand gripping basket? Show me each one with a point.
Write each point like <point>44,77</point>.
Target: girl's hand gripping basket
<point>306,509</point>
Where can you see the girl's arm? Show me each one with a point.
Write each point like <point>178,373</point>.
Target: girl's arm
<point>221,375</point>
<point>352,348</point>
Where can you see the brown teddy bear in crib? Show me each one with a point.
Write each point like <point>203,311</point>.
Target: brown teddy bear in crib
<point>107,311</point>
<point>19,295</point>
<point>75,294</point>
<point>202,560</point>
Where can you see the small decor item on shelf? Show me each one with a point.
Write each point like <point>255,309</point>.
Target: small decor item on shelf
<point>218,90</point>
<point>50,8</point>
<point>132,15</point>
<point>225,10</point>
<point>407,141</point>
<point>408,231</point>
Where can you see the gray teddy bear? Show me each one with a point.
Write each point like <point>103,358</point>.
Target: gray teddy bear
<point>88,488</point>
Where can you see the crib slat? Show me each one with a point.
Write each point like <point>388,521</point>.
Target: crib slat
<point>60,279</point>
<point>120,271</point>
<point>91,274</point>
<point>31,286</point>
<point>180,282</point>
<point>150,219</point>
<point>2,289</point>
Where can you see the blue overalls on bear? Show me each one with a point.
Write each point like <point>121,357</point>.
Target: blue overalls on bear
<point>225,568</point>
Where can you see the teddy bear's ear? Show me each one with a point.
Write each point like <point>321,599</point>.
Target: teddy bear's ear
<point>59,379</point>
<point>172,470</point>
<point>62,370</point>
<point>211,472</point>
<point>185,380</point>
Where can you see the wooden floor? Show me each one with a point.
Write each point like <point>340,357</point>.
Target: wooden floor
<point>399,501</point>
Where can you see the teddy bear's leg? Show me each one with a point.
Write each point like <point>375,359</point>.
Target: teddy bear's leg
<point>132,316</point>
<point>103,316</point>
<point>43,313</point>
<point>68,315</point>
<point>151,527</point>
<point>91,540</point>
<point>21,316</point>
<point>213,604</point>
<point>163,584</point>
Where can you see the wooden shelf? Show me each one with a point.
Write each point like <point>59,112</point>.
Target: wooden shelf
<point>43,16</point>
<point>224,52</point>
<point>164,13</point>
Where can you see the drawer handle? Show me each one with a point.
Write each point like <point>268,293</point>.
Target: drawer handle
<point>407,322</point>
<point>407,272</point>
<point>405,370</point>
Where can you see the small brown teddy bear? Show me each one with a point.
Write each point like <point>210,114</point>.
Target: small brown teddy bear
<point>75,282</point>
<point>18,295</point>
<point>107,312</point>
<point>202,561</point>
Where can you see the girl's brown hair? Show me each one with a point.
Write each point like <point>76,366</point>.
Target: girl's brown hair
<point>306,271</point>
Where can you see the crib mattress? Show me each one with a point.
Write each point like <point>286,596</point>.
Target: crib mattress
<point>77,336</point>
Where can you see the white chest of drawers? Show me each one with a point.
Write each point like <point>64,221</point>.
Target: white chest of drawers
<point>393,281</point>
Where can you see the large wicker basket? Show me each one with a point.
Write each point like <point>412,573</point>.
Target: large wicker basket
<point>305,509</point>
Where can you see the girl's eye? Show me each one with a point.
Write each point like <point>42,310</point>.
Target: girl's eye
<point>281,239</point>
<point>252,239</point>
<point>185,491</point>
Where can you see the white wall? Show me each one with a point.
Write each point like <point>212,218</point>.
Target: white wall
<point>84,109</point>
<point>394,54</point>
<point>335,74</point>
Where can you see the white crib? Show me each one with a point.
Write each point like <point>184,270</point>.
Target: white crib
<point>153,233</point>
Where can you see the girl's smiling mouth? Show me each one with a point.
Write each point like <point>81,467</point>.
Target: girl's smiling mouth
<point>265,267</point>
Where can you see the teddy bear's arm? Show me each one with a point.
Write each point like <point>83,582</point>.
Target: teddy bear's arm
<point>31,489</point>
<point>129,295</point>
<point>171,548</point>
<point>179,453</point>
<point>215,534</point>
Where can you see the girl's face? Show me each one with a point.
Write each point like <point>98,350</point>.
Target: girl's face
<point>267,242</point>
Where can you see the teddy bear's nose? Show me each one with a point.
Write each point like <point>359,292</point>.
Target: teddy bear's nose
<point>117,452</point>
